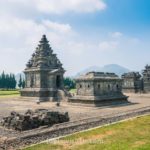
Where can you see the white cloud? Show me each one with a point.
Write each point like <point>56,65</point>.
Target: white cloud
<point>29,30</point>
<point>19,37</point>
<point>62,28</point>
<point>116,34</point>
<point>108,45</point>
<point>134,40</point>
<point>35,7</point>
<point>53,6</point>
<point>23,22</point>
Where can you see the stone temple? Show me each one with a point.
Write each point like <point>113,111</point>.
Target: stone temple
<point>43,74</point>
<point>132,82</point>
<point>97,87</point>
<point>146,79</point>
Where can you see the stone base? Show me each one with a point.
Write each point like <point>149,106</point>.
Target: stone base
<point>39,99</point>
<point>42,94</point>
<point>99,100</point>
<point>131,90</point>
<point>146,90</point>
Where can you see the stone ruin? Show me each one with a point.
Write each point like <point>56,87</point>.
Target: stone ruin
<point>33,119</point>
<point>132,82</point>
<point>146,79</point>
<point>44,74</point>
<point>98,87</point>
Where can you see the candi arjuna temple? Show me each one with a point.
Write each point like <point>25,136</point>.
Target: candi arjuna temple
<point>146,79</point>
<point>98,87</point>
<point>132,82</point>
<point>44,81</point>
<point>43,74</point>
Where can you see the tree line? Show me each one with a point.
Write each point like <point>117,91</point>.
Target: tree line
<point>7,81</point>
<point>69,83</point>
<point>21,83</point>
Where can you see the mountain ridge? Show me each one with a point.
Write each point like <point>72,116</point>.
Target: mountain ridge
<point>113,68</point>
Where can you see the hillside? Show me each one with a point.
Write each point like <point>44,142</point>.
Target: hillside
<point>119,70</point>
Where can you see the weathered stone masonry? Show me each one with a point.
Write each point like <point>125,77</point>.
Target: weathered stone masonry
<point>43,73</point>
<point>146,79</point>
<point>95,87</point>
<point>132,82</point>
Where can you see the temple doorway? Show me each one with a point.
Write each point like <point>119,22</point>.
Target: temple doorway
<point>58,81</point>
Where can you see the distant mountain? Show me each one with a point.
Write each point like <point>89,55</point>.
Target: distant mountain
<point>117,69</point>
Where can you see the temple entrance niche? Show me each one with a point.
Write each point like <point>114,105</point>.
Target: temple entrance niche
<point>58,81</point>
<point>32,81</point>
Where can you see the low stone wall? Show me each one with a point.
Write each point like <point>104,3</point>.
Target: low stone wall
<point>69,128</point>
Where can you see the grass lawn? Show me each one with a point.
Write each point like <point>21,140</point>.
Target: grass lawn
<point>129,135</point>
<point>72,91</point>
<point>9,92</point>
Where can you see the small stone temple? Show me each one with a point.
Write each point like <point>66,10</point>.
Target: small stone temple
<point>95,87</point>
<point>146,79</point>
<point>132,82</point>
<point>43,73</point>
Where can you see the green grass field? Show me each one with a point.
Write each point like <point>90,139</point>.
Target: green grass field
<point>129,135</point>
<point>9,93</point>
<point>72,91</point>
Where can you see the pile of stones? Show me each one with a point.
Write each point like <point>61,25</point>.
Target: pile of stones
<point>33,119</point>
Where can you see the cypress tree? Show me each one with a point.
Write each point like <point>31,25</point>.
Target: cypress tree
<point>0,81</point>
<point>20,82</point>
<point>3,82</point>
<point>68,82</point>
<point>23,84</point>
<point>7,81</point>
<point>14,82</point>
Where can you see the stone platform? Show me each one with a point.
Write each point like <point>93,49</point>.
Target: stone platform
<point>99,100</point>
<point>43,95</point>
<point>38,92</point>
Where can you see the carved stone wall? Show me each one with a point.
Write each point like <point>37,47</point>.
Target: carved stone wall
<point>146,79</point>
<point>43,73</point>
<point>95,87</point>
<point>132,82</point>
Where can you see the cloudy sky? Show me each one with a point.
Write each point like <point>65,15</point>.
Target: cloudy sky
<point>83,33</point>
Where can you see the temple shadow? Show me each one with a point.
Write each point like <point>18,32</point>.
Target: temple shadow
<point>113,104</point>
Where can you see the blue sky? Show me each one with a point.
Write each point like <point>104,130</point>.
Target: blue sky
<point>82,32</point>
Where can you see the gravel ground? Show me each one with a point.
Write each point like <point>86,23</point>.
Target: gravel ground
<point>76,112</point>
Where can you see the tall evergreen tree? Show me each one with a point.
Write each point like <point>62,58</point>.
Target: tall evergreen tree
<point>14,82</point>
<point>23,84</point>
<point>20,82</point>
<point>3,80</point>
<point>70,83</point>
<point>7,81</point>
<point>0,81</point>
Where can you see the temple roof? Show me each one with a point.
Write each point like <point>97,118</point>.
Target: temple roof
<point>131,75</point>
<point>146,72</point>
<point>98,75</point>
<point>43,57</point>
